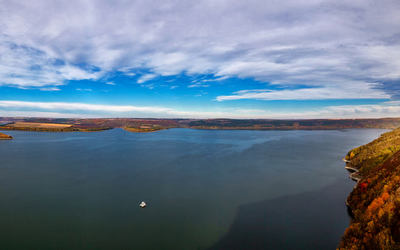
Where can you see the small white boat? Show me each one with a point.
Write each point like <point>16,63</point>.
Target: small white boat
<point>142,204</point>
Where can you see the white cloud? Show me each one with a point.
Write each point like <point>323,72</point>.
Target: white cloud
<point>77,106</point>
<point>84,90</point>
<point>355,111</point>
<point>345,92</point>
<point>216,79</point>
<point>146,77</point>
<point>50,89</point>
<point>325,44</point>
<point>11,113</point>
<point>25,67</point>
<point>198,85</point>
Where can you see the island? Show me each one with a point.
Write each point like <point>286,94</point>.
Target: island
<point>374,202</point>
<point>5,137</point>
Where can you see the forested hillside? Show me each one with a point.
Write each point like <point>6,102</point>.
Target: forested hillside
<point>375,200</point>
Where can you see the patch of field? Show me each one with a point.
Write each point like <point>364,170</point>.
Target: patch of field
<point>39,125</point>
<point>5,137</point>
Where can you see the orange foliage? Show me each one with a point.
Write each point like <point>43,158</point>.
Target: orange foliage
<point>375,204</point>
<point>385,196</point>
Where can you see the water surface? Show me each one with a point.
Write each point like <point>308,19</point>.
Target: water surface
<point>205,189</point>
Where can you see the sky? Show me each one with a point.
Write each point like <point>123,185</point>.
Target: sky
<point>274,59</point>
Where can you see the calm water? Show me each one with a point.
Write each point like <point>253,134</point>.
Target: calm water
<point>205,189</point>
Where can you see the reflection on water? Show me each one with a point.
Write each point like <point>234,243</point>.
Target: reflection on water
<point>218,189</point>
<point>310,220</point>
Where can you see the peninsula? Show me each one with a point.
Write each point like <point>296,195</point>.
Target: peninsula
<point>5,137</point>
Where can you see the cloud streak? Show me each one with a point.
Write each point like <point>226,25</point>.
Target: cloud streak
<point>348,92</point>
<point>65,110</point>
<point>146,77</point>
<point>79,106</point>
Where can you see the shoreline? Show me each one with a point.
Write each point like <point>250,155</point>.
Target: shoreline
<point>374,202</point>
<point>354,173</point>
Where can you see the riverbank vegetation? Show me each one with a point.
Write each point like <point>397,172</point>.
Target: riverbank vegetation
<point>375,200</point>
<point>365,158</point>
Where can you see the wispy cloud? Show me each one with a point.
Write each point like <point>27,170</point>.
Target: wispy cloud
<point>327,93</point>
<point>78,106</point>
<point>198,85</point>
<point>215,79</point>
<point>84,90</point>
<point>50,89</point>
<point>146,77</point>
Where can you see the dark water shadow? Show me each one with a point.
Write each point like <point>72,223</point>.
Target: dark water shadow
<point>311,220</point>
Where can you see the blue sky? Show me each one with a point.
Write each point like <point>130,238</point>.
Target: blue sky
<point>200,59</point>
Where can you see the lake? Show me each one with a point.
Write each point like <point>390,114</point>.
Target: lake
<point>205,189</point>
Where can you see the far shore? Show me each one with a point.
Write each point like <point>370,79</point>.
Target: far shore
<point>145,125</point>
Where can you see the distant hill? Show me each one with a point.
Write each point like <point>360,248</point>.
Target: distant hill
<point>262,124</point>
<point>146,124</point>
<point>375,200</point>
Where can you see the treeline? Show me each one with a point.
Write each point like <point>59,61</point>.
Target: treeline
<point>375,200</point>
<point>89,129</point>
<point>367,157</point>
